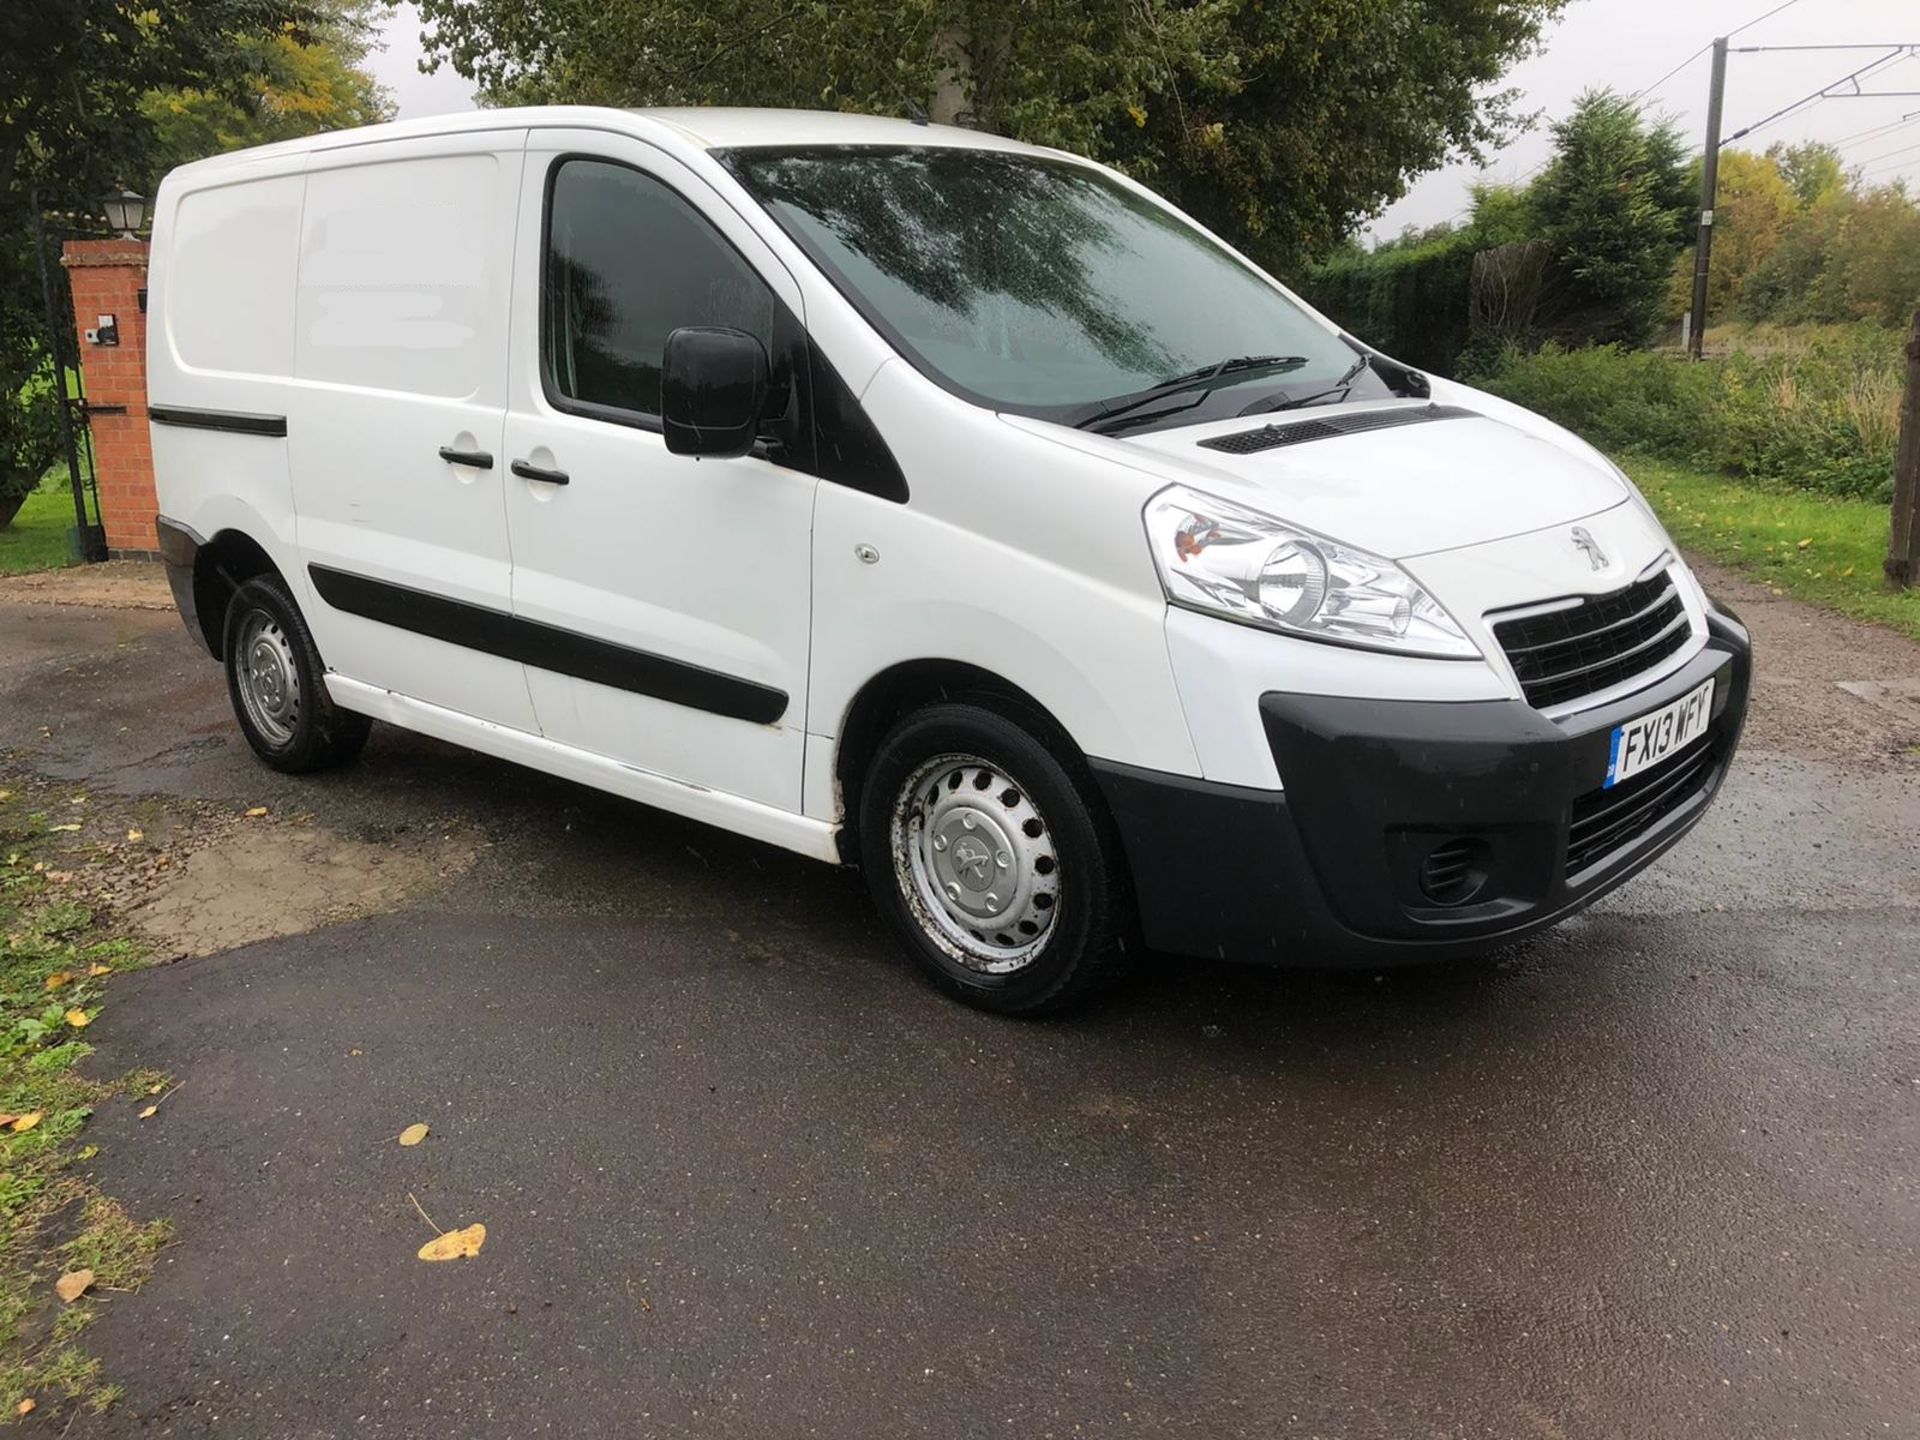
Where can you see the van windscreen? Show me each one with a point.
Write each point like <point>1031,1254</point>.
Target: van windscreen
<point>1031,284</point>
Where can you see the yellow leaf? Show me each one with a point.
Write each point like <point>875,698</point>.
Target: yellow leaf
<point>455,1244</point>
<point>26,1405</point>
<point>413,1134</point>
<point>256,812</point>
<point>1139,115</point>
<point>1847,571</point>
<point>78,800</point>
<point>96,971</point>
<point>1805,543</point>
<point>63,827</point>
<point>57,979</point>
<point>156,1087</point>
<point>78,1018</point>
<point>26,1122</point>
<point>72,1285</point>
<point>149,1112</point>
<point>136,834</point>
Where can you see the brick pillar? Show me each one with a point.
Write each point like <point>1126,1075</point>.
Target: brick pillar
<point>107,277</point>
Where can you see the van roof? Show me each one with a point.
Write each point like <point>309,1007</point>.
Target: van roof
<point>712,128</point>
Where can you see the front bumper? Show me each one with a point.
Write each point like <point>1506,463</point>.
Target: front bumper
<point>1335,869</point>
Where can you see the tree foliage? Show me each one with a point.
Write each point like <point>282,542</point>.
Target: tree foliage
<point>1280,123</point>
<point>95,94</point>
<point>301,79</point>
<point>1612,207</point>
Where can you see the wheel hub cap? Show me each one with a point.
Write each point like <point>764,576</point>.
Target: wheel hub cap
<point>975,860</point>
<point>269,682</point>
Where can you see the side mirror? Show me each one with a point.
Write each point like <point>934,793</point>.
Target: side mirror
<point>713,389</point>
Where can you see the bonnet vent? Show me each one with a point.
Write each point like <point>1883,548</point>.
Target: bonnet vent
<point>1327,427</point>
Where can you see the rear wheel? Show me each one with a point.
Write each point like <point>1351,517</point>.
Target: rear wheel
<point>990,856</point>
<point>275,679</point>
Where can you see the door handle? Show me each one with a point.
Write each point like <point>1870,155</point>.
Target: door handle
<point>473,459</point>
<point>534,472</point>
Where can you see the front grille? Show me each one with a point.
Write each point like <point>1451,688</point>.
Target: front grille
<point>1604,820</point>
<point>1583,649</point>
<point>1272,437</point>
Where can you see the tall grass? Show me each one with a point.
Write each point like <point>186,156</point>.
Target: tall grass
<point>1821,413</point>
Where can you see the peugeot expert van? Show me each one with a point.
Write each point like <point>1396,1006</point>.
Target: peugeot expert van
<point>924,501</point>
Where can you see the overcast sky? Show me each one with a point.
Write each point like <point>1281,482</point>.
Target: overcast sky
<point>1628,44</point>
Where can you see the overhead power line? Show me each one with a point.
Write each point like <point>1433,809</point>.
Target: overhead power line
<point>1833,92</point>
<point>1757,19</point>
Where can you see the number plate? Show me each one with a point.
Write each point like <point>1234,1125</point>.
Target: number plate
<point>1663,732</point>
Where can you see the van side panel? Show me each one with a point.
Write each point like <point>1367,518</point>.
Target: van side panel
<point>220,345</point>
<point>1047,584</point>
<point>400,352</point>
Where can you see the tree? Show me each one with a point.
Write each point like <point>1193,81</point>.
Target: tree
<point>301,79</point>
<point>76,77</point>
<point>1280,124</point>
<point>1755,205</point>
<point>1613,207</point>
<point>1812,169</point>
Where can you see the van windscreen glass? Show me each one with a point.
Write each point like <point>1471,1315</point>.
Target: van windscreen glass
<point>1036,285</point>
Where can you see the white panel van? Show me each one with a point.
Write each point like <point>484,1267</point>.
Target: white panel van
<point>920,500</point>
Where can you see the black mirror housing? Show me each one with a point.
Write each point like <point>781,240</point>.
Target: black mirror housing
<point>713,391</point>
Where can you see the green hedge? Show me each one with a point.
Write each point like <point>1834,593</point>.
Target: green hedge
<point>1411,303</point>
<point>1820,413</point>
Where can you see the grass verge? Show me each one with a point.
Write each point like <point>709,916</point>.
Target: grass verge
<point>37,538</point>
<point>55,961</point>
<point>1812,547</point>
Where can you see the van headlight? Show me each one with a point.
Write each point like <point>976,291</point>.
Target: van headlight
<point>1226,560</point>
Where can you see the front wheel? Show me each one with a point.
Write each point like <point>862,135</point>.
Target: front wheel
<point>991,859</point>
<point>277,684</point>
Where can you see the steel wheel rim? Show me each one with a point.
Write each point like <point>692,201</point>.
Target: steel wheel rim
<point>975,861</point>
<point>269,678</point>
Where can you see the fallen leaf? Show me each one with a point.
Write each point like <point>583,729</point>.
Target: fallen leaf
<point>26,1122</point>
<point>60,877</point>
<point>72,1285</point>
<point>413,1134</point>
<point>63,827</point>
<point>156,1087</point>
<point>26,1406</point>
<point>149,1112</point>
<point>455,1244</point>
<point>136,834</point>
<point>96,971</point>
<point>78,1018</point>
<point>6,794</point>
<point>57,979</point>
<point>256,812</point>
<point>8,1119</point>
<point>1805,543</point>
<point>78,800</point>
<point>353,1052</point>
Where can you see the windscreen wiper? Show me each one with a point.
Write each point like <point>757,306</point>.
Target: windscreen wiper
<point>1200,379</point>
<point>1338,387</point>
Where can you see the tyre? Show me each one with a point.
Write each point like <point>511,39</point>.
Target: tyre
<point>275,680</point>
<point>989,853</point>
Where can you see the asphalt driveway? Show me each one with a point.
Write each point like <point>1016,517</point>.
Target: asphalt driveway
<point>742,1175</point>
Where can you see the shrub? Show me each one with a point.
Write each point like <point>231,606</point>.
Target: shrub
<point>1820,413</point>
<point>1408,301</point>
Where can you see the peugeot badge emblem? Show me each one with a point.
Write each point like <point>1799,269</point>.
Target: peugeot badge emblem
<point>1583,538</point>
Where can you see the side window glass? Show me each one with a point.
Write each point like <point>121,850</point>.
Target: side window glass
<point>627,263</point>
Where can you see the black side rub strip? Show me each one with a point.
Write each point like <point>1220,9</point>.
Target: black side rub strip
<point>548,647</point>
<point>1272,437</point>
<point>231,421</point>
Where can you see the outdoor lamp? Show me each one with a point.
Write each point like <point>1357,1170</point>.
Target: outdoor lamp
<point>126,212</point>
